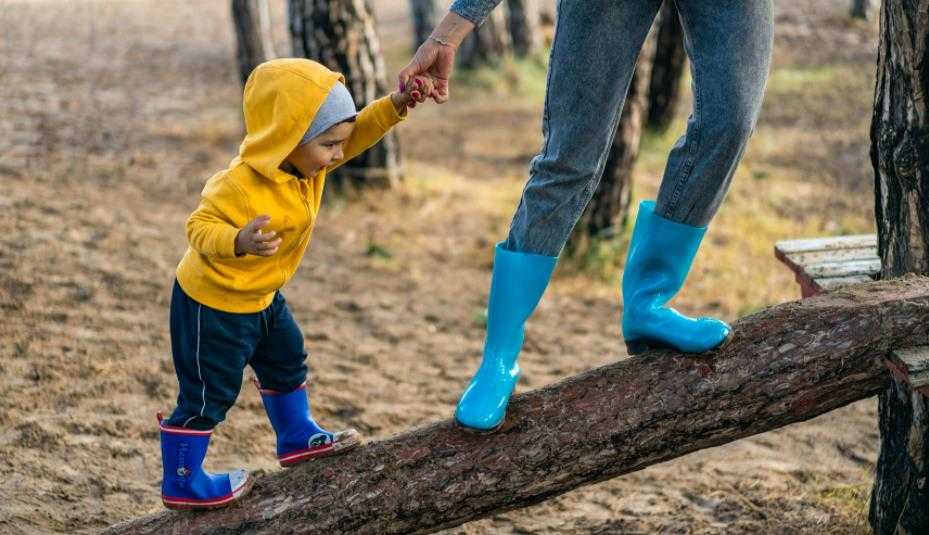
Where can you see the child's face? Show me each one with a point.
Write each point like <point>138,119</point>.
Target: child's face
<point>322,151</point>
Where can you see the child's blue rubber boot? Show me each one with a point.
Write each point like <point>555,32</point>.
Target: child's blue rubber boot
<point>659,259</point>
<point>517,285</point>
<point>299,437</point>
<point>185,484</point>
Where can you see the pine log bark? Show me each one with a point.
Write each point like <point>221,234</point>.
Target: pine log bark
<point>783,365</point>
<point>341,35</point>
<point>900,158</point>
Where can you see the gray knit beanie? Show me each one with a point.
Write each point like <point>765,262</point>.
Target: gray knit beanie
<point>338,107</point>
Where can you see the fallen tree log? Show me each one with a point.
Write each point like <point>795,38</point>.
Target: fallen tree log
<point>783,365</point>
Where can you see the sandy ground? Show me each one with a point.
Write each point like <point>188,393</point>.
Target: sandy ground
<point>112,115</point>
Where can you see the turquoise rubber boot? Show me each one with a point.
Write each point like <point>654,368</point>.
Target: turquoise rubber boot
<point>518,282</point>
<point>659,259</point>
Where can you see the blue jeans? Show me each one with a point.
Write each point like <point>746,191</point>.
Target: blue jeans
<point>211,349</point>
<point>592,61</point>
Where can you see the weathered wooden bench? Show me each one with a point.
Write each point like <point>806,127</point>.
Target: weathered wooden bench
<point>911,366</point>
<point>822,264</point>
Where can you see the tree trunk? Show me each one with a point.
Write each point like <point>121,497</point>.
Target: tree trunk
<point>786,364</point>
<point>425,16</point>
<point>860,9</point>
<point>341,35</point>
<point>899,137</point>
<point>253,34</point>
<point>485,44</point>
<point>668,67</point>
<point>608,210</point>
<point>523,20</point>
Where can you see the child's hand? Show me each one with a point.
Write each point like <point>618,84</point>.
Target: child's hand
<point>251,240</point>
<point>419,88</point>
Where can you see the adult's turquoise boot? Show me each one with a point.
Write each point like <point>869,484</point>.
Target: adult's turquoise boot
<point>659,259</point>
<point>518,282</point>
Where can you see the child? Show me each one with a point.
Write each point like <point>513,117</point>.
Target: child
<point>246,238</point>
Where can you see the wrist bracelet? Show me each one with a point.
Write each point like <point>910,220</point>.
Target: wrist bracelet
<point>441,41</point>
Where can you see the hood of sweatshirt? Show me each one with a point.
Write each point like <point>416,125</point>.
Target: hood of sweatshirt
<point>281,99</point>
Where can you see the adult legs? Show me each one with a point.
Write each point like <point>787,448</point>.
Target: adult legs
<point>592,61</point>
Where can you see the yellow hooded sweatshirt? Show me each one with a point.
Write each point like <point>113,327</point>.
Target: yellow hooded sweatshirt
<point>281,98</point>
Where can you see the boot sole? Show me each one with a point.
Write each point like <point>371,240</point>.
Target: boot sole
<point>476,431</point>
<point>331,450</point>
<point>220,503</point>
<point>637,347</point>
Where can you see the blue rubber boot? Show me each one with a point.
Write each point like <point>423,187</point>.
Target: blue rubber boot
<point>299,437</point>
<point>518,282</point>
<point>659,259</point>
<point>185,484</point>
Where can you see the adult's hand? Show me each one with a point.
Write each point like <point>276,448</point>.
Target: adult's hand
<point>436,57</point>
<point>434,60</point>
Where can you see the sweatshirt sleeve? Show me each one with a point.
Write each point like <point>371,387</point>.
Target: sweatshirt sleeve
<point>211,229</point>
<point>373,122</point>
<point>474,10</point>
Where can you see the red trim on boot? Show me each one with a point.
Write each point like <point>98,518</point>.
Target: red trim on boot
<point>193,503</point>
<point>298,456</point>
<point>173,430</point>
<point>269,392</point>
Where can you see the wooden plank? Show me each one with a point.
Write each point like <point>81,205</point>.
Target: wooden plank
<point>831,255</point>
<point>826,270</point>
<point>916,362</point>
<point>822,264</point>
<point>828,284</point>
<point>911,365</point>
<point>858,241</point>
<point>808,287</point>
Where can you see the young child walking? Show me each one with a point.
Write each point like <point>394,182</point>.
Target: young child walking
<point>246,239</point>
